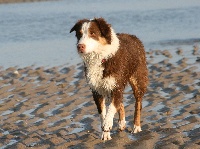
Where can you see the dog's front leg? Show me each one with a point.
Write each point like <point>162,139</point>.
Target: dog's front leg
<point>103,112</point>
<point>108,122</point>
<point>100,103</point>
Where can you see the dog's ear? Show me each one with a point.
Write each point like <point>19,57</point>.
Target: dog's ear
<point>105,29</point>
<point>78,25</point>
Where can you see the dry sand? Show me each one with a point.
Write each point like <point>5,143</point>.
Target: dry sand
<point>53,107</point>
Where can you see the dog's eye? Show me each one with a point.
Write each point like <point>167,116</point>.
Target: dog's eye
<point>92,33</point>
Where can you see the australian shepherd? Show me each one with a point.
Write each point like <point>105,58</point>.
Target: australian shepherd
<point>112,60</point>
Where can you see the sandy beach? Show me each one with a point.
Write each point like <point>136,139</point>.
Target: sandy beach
<point>53,107</point>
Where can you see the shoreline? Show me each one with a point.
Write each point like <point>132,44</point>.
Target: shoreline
<point>21,1</point>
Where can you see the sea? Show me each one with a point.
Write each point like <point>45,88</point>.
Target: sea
<point>37,33</point>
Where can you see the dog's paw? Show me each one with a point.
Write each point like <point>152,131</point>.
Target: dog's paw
<point>106,136</point>
<point>107,125</point>
<point>136,129</point>
<point>122,125</point>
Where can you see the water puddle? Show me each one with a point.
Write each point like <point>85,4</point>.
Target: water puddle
<point>158,107</point>
<point>145,103</point>
<point>39,120</point>
<point>4,99</point>
<point>6,112</point>
<point>50,112</point>
<point>197,126</point>
<point>80,106</point>
<point>11,142</point>
<point>86,116</point>
<point>64,118</point>
<point>28,113</point>
<point>77,128</point>
<point>176,111</point>
<point>187,97</point>
<point>132,137</point>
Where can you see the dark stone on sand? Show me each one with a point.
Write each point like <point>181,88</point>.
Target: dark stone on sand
<point>165,62</point>
<point>188,89</point>
<point>22,115</point>
<point>164,110</point>
<point>52,71</point>
<point>167,53</point>
<point>13,81</point>
<point>168,90</point>
<point>198,59</point>
<point>24,94</point>
<point>158,52</point>
<point>65,70</point>
<point>177,97</point>
<point>41,78</point>
<point>182,61</point>
<point>197,96</point>
<point>195,50</point>
<point>195,135</point>
<point>179,51</point>
<point>196,111</point>
<point>192,119</point>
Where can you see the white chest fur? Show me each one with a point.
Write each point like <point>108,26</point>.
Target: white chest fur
<point>94,75</point>
<point>93,63</point>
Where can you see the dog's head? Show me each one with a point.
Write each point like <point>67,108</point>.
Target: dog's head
<point>92,34</point>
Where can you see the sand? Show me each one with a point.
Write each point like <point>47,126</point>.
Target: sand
<point>53,107</point>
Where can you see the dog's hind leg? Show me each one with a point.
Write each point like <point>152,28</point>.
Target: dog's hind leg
<point>122,122</point>
<point>138,92</point>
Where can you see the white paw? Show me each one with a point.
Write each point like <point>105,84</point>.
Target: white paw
<point>107,125</point>
<point>105,136</point>
<point>122,125</point>
<point>136,129</point>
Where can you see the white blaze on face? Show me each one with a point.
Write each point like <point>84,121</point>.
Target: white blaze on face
<point>93,55</point>
<point>89,42</point>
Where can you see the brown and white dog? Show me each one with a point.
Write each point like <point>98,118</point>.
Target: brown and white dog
<point>111,62</point>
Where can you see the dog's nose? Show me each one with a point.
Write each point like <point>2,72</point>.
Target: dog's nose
<point>81,48</point>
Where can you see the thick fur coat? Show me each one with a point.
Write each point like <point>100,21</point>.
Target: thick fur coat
<point>111,62</point>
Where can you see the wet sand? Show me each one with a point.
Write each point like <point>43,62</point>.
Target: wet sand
<point>53,107</point>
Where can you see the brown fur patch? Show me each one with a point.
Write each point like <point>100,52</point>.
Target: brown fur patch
<point>104,28</point>
<point>128,65</point>
<point>94,31</point>
<point>98,101</point>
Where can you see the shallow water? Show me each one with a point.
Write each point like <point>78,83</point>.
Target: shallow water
<point>38,33</point>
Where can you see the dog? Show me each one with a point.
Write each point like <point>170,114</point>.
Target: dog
<point>111,61</point>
